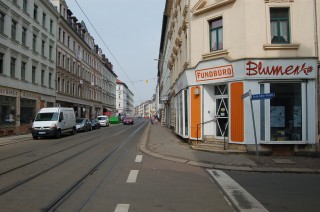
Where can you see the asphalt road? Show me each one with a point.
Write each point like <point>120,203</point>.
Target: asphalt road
<point>101,170</point>
<point>281,191</point>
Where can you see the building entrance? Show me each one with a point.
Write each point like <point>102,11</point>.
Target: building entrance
<point>222,110</point>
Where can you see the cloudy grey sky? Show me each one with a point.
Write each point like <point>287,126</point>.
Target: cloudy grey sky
<point>131,30</point>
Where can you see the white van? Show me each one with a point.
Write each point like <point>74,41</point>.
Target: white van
<point>52,121</point>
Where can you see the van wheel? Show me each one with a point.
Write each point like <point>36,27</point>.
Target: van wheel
<point>58,135</point>
<point>35,137</point>
<point>73,131</point>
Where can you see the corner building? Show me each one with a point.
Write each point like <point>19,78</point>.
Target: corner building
<point>225,50</point>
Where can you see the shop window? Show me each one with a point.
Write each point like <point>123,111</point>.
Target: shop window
<point>279,24</point>
<point>216,34</point>
<point>286,112</point>
<point>7,110</point>
<point>27,111</point>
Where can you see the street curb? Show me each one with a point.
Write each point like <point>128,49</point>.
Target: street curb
<point>145,139</point>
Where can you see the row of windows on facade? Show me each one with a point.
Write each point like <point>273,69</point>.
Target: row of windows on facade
<point>36,16</point>
<point>78,90</point>
<point>85,56</point>
<point>46,46</point>
<point>90,94</point>
<point>279,25</point>
<point>23,72</point>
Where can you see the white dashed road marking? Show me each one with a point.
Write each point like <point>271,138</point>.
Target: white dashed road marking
<point>138,158</point>
<point>132,178</point>
<point>238,195</point>
<point>122,208</point>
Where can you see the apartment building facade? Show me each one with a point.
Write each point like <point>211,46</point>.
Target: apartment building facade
<point>85,77</point>
<point>232,60</point>
<point>27,62</point>
<point>124,98</point>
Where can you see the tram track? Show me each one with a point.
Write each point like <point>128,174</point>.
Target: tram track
<point>44,157</point>
<point>20,182</point>
<point>54,205</point>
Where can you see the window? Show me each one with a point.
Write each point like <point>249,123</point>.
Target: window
<point>23,71</point>
<point>50,52</point>
<point>44,16</point>
<point>279,24</point>
<point>286,112</point>
<point>42,48</point>
<point>35,12</point>
<point>42,77</point>
<point>33,77</point>
<point>14,30</point>
<point>24,5</point>
<point>50,80</point>
<point>24,36</point>
<point>34,43</point>
<point>2,22</point>
<point>59,58</point>
<point>13,67</point>
<point>27,110</point>
<point>7,115</point>
<point>51,26</point>
<point>1,63</point>
<point>216,34</point>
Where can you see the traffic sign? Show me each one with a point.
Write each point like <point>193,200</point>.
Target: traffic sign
<point>262,96</point>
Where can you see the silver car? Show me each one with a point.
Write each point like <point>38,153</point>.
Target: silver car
<point>104,121</point>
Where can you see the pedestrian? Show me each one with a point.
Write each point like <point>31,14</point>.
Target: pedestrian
<point>156,119</point>
<point>151,120</point>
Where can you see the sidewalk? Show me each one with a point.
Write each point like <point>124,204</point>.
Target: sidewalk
<point>161,142</point>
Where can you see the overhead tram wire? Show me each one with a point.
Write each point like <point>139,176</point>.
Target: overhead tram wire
<point>109,50</point>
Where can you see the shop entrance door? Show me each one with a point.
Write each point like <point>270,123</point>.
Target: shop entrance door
<point>222,110</point>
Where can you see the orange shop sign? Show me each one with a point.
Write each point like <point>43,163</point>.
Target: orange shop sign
<point>219,72</point>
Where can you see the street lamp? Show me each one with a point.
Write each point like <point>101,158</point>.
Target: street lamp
<point>159,60</point>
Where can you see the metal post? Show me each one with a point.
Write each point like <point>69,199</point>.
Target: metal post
<point>254,126</point>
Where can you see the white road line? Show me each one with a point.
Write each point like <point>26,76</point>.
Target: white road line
<point>122,208</point>
<point>237,194</point>
<point>138,158</point>
<point>132,178</point>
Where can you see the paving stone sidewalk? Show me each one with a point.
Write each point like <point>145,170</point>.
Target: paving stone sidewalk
<point>162,142</point>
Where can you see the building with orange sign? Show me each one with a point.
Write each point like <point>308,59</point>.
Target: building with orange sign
<point>222,53</point>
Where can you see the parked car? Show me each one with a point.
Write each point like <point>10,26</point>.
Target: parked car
<point>95,124</point>
<point>104,121</point>
<point>83,125</point>
<point>128,120</point>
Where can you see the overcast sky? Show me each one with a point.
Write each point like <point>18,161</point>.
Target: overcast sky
<point>131,30</point>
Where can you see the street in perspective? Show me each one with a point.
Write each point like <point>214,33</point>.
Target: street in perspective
<point>143,167</point>
<point>168,105</point>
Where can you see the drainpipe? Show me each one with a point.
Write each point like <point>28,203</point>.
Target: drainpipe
<point>317,73</point>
